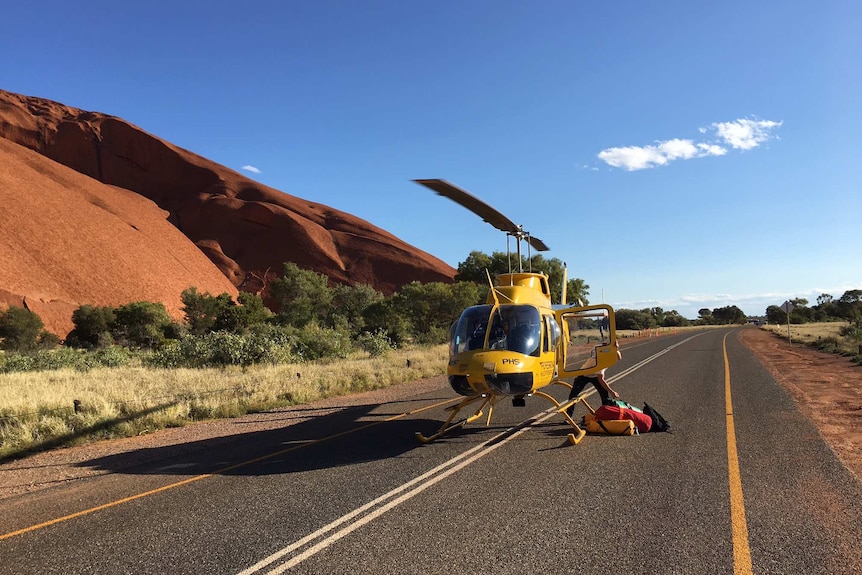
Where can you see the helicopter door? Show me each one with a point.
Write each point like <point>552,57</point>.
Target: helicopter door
<point>588,340</point>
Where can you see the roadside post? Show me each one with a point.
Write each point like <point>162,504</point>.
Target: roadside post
<point>787,307</point>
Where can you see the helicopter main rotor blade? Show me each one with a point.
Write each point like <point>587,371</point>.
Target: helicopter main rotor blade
<point>538,244</point>
<point>481,209</point>
<point>472,203</point>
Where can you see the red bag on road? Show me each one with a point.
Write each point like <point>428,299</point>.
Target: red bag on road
<point>611,413</point>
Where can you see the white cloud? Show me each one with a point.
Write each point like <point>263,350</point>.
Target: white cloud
<point>252,169</point>
<point>711,150</point>
<point>741,134</point>
<point>745,134</point>
<point>676,149</point>
<point>634,158</point>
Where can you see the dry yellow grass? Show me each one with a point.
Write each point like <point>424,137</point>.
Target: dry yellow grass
<point>37,409</point>
<point>808,332</point>
<point>825,336</point>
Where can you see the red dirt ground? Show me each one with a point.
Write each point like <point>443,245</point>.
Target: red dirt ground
<point>827,388</point>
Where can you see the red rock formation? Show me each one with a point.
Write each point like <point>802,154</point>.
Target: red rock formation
<point>67,240</point>
<point>247,230</point>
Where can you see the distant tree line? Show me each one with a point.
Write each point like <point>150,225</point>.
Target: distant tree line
<point>653,317</point>
<point>847,308</point>
<point>648,318</point>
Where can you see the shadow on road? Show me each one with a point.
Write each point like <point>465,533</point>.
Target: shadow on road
<point>348,436</point>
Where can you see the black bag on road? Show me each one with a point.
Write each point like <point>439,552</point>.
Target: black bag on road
<point>659,423</point>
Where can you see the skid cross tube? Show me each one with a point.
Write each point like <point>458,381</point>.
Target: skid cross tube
<point>489,400</point>
<point>449,426</point>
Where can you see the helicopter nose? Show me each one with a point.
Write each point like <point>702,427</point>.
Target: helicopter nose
<point>510,383</point>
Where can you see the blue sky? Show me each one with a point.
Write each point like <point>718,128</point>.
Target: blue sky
<point>675,154</point>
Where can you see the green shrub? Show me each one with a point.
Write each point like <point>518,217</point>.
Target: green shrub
<point>113,356</point>
<point>19,329</point>
<point>44,360</point>
<point>314,342</point>
<point>829,344</point>
<point>852,331</point>
<point>219,349</point>
<point>223,348</point>
<point>376,343</point>
<point>433,336</point>
<point>59,359</point>
<point>16,362</point>
<point>47,340</point>
<point>168,356</point>
<point>92,327</point>
<point>143,324</point>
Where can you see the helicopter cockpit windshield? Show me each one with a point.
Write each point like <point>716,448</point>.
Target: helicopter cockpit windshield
<point>512,327</point>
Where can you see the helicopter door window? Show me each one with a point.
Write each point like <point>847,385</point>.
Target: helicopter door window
<point>587,331</point>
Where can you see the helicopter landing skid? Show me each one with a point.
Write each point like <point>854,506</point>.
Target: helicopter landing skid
<point>562,408</point>
<point>489,400</point>
<point>455,409</point>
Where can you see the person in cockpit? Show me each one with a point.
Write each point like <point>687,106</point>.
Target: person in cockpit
<point>497,339</point>
<point>477,338</point>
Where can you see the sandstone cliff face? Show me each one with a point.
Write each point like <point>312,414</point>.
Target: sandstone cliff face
<point>67,240</point>
<point>153,219</point>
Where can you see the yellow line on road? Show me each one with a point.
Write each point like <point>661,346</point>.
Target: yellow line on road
<point>741,551</point>
<point>217,472</point>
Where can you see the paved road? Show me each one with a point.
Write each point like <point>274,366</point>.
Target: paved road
<point>746,489</point>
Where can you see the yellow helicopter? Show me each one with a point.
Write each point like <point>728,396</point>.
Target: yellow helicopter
<point>518,341</point>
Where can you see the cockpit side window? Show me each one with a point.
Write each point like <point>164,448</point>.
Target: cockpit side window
<point>471,329</point>
<point>552,335</point>
<point>546,340</point>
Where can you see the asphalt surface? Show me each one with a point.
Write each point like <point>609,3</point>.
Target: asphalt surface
<point>355,492</point>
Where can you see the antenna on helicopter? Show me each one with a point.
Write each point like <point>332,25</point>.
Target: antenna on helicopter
<point>487,213</point>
